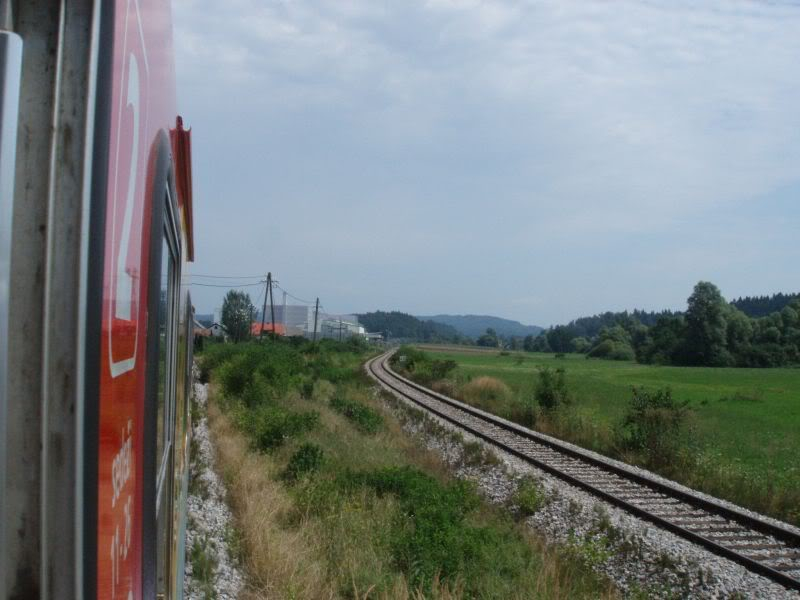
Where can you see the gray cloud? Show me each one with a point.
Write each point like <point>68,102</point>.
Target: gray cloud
<point>540,160</point>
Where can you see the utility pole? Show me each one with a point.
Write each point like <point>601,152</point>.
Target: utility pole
<point>340,330</point>
<point>271,302</point>
<point>283,319</point>
<point>316,312</point>
<point>264,310</point>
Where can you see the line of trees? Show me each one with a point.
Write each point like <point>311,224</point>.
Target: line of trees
<point>712,332</point>
<point>762,306</point>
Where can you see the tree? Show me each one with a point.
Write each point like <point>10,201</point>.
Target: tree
<point>527,343</point>
<point>581,345</point>
<point>560,337</point>
<point>540,344</point>
<point>706,328</point>
<point>613,343</point>
<point>237,310</point>
<point>489,339</point>
<point>739,334</point>
<point>664,341</point>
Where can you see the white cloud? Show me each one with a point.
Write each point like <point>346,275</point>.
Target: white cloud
<point>574,119</point>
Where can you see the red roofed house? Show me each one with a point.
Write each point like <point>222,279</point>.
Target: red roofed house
<point>277,328</point>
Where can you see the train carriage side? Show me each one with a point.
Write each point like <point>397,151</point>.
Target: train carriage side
<point>95,386</point>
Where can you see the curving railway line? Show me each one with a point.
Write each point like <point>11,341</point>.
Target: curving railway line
<point>759,544</point>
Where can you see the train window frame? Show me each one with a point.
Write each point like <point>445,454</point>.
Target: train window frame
<point>170,241</point>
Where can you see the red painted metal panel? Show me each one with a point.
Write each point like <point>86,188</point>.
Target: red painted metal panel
<point>142,105</point>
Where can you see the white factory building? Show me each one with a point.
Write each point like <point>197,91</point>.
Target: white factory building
<point>299,320</point>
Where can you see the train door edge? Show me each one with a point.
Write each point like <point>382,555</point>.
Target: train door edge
<point>159,411</point>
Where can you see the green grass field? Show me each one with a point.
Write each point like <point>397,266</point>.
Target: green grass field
<point>745,420</point>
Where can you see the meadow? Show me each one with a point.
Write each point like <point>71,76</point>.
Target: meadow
<point>743,429</point>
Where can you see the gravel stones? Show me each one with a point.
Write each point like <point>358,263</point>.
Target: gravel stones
<point>209,520</point>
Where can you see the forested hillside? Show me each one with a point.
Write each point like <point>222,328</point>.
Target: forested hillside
<point>474,326</point>
<point>761,306</point>
<point>398,325</point>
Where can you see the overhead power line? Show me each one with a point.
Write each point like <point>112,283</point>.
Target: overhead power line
<point>292,295</point>
<point>226,276</point>
<point>229,286</point>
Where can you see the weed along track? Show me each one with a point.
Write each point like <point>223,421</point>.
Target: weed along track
<point>760,545</point>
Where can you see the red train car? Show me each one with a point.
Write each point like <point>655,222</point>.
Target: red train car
<point>95,317</point>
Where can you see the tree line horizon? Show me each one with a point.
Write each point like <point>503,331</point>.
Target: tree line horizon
<point>758,331</point>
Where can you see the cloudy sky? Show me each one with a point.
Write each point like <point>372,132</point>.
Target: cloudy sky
<point>533,159</point>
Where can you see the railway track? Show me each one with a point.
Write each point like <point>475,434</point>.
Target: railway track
<point>758,544</point>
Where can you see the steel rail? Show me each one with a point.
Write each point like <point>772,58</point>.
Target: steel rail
<point>393,381</point>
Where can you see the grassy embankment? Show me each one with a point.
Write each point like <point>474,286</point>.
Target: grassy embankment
<point>742,434</point>
<point>332,499</point>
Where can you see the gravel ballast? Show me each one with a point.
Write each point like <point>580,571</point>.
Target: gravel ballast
<point>635,554</point>
<point>209,520</point>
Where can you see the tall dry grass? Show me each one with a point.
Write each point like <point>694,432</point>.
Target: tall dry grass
<point>487,393</point>
<point>280,562</point>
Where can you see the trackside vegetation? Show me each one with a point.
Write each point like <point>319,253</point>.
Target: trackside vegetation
<point>334,500</point>
<point>729,432</point>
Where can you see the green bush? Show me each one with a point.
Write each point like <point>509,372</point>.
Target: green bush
<point>612,350</point>
<point>366,419</point>
<point>270,426</point>
<point>213,357</point>
<point>273,367</point>
<point>410,358</point>
<point>529,497</point>
<point>432,537</point>
<point>653,426</point>
<point>551,389</point>
<point>306,460</point>
<point>442,368</point>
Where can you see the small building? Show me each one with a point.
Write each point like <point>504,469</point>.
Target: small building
<point>339,329</point>
<point>276,328</point>
<point>201,330</point>
<point>217,330</point>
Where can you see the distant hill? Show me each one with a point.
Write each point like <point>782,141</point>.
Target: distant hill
<point>396,325</point>
<point>476,325</point>
<point>761,306</point>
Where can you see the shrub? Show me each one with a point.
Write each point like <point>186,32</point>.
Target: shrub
<point>551,389</point>
<point>270,426</point>
<point>486,391</point>
<point>653,425</point>
<point>612,350</point>
<point>256,392</point>
<point>213,357</point>
<point>529,497</point>
<point>475,454</point>
<point>306,460</point>
<point>322,390</point>
<point>442,368</point>
<point>431,536</point>
<point>235,375</point>
<point>366,419</point>
<point>409,358</point>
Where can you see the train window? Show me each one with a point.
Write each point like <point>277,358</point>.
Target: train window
<point>166,399</point>
<point>163,356</point>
